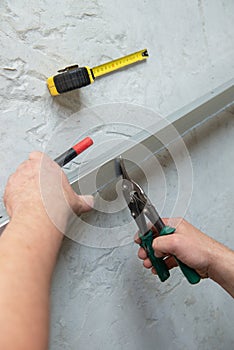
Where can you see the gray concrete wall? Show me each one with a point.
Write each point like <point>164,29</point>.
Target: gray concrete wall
<point>103,298</point>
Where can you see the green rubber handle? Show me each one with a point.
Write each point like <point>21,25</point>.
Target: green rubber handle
<point>158,263</point>
<point>191,275</point>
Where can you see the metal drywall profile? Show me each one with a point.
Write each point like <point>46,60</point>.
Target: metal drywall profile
<point>197,111</point>
<point>203,108</point>
<point>183,120</point>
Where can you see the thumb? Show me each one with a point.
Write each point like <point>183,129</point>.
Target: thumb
<point>164,246</point>
<point>82,204</point>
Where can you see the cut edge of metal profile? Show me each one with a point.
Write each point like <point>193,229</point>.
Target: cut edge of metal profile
<point>184,120</point>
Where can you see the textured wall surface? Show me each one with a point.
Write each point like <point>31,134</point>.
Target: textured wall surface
<point>103,298</point>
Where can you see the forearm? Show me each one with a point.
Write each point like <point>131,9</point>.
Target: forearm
<point>28,253</point>
<point>40,200</point>
<point>221,267</point>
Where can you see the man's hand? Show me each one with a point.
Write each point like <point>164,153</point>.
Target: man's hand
<point>40,188</point>
<point>188,244</point>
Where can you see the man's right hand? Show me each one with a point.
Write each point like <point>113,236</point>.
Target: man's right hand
<point>188,244</point>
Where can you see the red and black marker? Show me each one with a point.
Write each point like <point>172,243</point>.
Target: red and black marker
<point>70,154</point>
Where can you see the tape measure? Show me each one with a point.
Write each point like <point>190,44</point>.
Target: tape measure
<point>75,77</point>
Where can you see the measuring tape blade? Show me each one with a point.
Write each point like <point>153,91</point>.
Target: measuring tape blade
<point>119,63</point>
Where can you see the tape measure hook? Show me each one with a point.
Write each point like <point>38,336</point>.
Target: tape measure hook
<point>145,53</point>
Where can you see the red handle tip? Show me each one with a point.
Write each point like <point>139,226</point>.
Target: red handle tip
<point>83,145</point>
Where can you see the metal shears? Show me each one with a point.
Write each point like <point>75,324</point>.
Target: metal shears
<point>140,207</point>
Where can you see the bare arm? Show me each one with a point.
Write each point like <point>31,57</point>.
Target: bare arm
<point>28,250</point>
<point>207,256</point>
